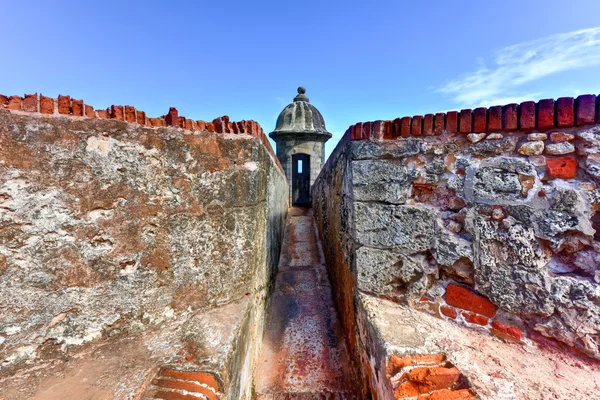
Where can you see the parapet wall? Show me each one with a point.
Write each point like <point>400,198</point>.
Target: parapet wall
<point>65,105</point>
<point>118,228</point>
<point>488,218</point>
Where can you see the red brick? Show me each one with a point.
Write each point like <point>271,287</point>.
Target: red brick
<point>141,118</point>
<point>465,121</point>
<point>189,386</point>
<point>435,378</point>
<point>565,111</point>
<point>448,311</point>
<point>416,125</point>
<point>157,122</point>
<point>438,123</point>
<point>218,125</point>
<point>452,122</point>
<point>378,130</point>
<point>396,128</point>
<point>387,130</point>
<point>117,112</point>
<point>447,394</point>
<point>167,395</point>
<point>494,123</point>
<point>545,114</point>
<point>241,126</point>
<point>480,120</point>
<point>30,103</point>
<point>499,329</point>
<point>367,128</point>
<point>426,380</point>
<point>462,297</point>
<point>561,167</point>
<point>585,108</point>
<point>527,116</point>
<point>475,319</point>
<point>396,363</point>
<point>405,127</point>
<point>15,103</point>
<point>46,105</point>
<point>510,120</point>
<point>248,127</point>
<point>89,111</point>
<point>172,117</point>
<point>77,107</point>
<point>130,114</point>
<point>102,113</point>
<point>428,125</point>
<point>64,104</point>
<point>3,100</point>
<point>353,132</point>
<point>227,129</point>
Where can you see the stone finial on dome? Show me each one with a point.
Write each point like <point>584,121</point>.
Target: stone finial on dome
<point>301,96</point>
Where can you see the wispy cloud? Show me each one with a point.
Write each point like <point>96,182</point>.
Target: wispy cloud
<point>514,66</point>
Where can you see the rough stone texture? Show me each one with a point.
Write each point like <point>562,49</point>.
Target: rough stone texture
<point>114,232</point>
<point>444,210</point>
<point>495,369</point>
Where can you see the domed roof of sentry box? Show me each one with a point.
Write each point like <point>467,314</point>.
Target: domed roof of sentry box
<point>302,118</point>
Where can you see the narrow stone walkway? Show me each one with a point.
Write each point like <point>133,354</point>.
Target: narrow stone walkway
<point>303,355</point>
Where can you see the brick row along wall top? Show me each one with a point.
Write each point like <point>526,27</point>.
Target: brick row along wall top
<point>65,105</point>
<point>528,116</point>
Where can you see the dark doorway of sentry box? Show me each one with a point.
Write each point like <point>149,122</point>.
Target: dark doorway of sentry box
<point>301,180</point>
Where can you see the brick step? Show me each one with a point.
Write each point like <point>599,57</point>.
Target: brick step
<point>310,396</point>
<point>170,384</point>
<point>429,376</point>
<point>446,394</point>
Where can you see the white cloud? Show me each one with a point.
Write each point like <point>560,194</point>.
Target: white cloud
<point>519,64</point>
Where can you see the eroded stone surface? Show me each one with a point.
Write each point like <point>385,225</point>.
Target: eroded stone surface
<point>112,229</point>
<point>494,368</point>
<point>519,232</point>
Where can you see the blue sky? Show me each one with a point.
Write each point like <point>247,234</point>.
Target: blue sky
<point>358,60</point>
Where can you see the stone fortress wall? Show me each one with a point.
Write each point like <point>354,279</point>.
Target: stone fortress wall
<point>147,243</point>
<point>487,218</point>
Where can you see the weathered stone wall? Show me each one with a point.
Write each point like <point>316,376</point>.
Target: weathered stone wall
<point>112,230</point>
<point>487,218</point>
